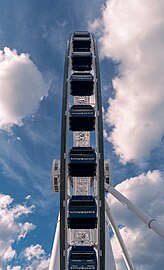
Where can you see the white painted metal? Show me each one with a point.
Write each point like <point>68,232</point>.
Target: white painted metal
<point>55,255</point>
<point>151,222</point>
<point>81,237</point>
<point>107,172</point>
<point>81,186</point>
<point>109,258</point>
<point>116,231</point>
<point>81,138</point>
<point>56,175</point>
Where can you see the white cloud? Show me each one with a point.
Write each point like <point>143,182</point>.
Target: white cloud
<point>24,229</point>
<point>21,87</point>
<point>13,268</point>
<point>33,252</point>
<point>11,229</point>
<point>28,197</point>
<point>133,35</point>
<point>144,246</point>
<point>36,257</point>
<point>5,200</point>
<point>9,254</point>
<point>44,264</point>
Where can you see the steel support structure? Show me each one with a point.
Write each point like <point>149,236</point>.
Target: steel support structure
<point>63,167</point>
<point>98,237</point>
<point>97,185</point>
<point>55,255</point>
<point>100,148</point>
<point>148,220</point>
<point>117,233</point>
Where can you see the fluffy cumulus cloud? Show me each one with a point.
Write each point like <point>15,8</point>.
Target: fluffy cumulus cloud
<point>36,258</point>
<point>33,252</point>
<point>132,34</point>
<point>145,246</point>
<point>11,229</point>
<point>21,87</point>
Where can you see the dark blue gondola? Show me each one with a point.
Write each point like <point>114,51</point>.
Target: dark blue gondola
<point>81,44</point>
<point>82,257</point>
<point>82,118</point>
<point>81,61</point>
<point>82,162</point>
<point>81,34</point>
<point>81,84</point>
<point>82,212</point>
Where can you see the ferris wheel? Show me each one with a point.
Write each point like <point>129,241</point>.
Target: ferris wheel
<point>82,176</point>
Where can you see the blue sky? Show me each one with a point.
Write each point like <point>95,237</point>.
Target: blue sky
<point>33,35</point>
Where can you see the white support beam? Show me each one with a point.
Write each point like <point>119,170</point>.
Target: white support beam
<point>150,222</point>
<point>109,258</point>
<point>116,231</point>
<point>55,256</point>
